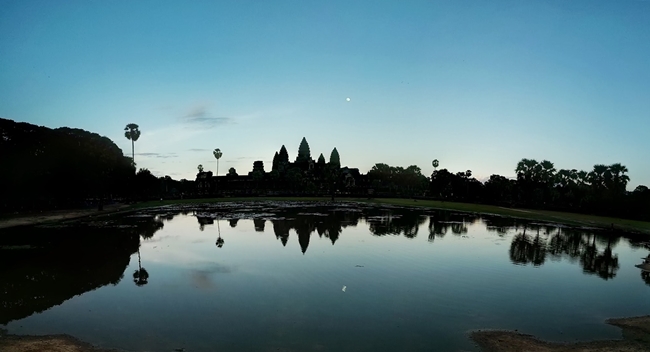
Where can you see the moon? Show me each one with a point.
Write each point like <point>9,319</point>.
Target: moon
<point>347,99</point>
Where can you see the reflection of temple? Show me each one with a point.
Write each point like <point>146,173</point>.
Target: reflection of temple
<point>532,243</point>
<point>204,220</point>
<point>329,226</point>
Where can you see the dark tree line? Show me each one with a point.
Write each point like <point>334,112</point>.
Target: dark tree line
<point>45,168</point>
<point>48,168</point>
<point>601,191</point>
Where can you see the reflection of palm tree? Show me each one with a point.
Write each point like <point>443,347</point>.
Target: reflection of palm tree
<point>140,276</point>
<point>219,239</point>
<point>436,229</point>
<point>458,228</point>
<point>606,264</point>
<point>523,250</point>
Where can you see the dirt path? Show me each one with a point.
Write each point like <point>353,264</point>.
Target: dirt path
<point>56,215</point>
<point>636,338</point>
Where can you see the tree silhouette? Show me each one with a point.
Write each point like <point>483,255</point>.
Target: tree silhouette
<point>200,168</point>
<point>132,133</point>
<point>217,155</point>
<point>435,164</point>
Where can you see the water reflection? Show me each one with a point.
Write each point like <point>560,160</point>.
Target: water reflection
<point>574,245</point>
<point>41,267</point>
<point>66,261</point>
<point>527,250</point>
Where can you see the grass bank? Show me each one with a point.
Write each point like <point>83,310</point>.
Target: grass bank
<point>573,219</point>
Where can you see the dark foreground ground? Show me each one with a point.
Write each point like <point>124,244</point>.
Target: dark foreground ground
<point>636,338</point>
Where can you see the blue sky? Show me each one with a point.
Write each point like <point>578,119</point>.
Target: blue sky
<point>475,84</point>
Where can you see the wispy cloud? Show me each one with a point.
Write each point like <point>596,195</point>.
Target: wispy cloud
<point>198,150</point>
<point>199,116</point>
<point>158,155</point>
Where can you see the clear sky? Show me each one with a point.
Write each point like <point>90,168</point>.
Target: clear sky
<point>476,84</point>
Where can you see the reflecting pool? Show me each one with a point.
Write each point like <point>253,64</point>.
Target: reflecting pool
<point>291,276</point>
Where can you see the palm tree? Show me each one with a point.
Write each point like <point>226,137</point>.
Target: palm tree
<point>435,164</point>
<point>132,133</point>
<point>599,176</point>
<point>528,170</point>
<point>619,179</point>
<point>217,154</point>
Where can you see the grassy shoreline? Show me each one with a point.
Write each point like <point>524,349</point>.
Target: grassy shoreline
<point>573,219</point>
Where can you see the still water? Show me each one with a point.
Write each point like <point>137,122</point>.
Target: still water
<point>286,276</point>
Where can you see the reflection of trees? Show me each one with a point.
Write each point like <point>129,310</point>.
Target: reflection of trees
<point>525,250</point>
<point>603,264</point>
<point>573,245</point>
<point>437,229</point>
<point>149,227</point>
<point>458,228</point>
<point>645,276</point>
<point>50,272</point>
<point>406,223</point>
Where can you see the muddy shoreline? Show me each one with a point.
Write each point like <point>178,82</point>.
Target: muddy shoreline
<point>46,343</point>
<point>636,338</point>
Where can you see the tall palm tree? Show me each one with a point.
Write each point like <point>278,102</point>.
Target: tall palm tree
<point>217,154</point>
<point>598,176</point>
<point>548,171</point>
<point>132,133</point>
<point>619,179</point>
